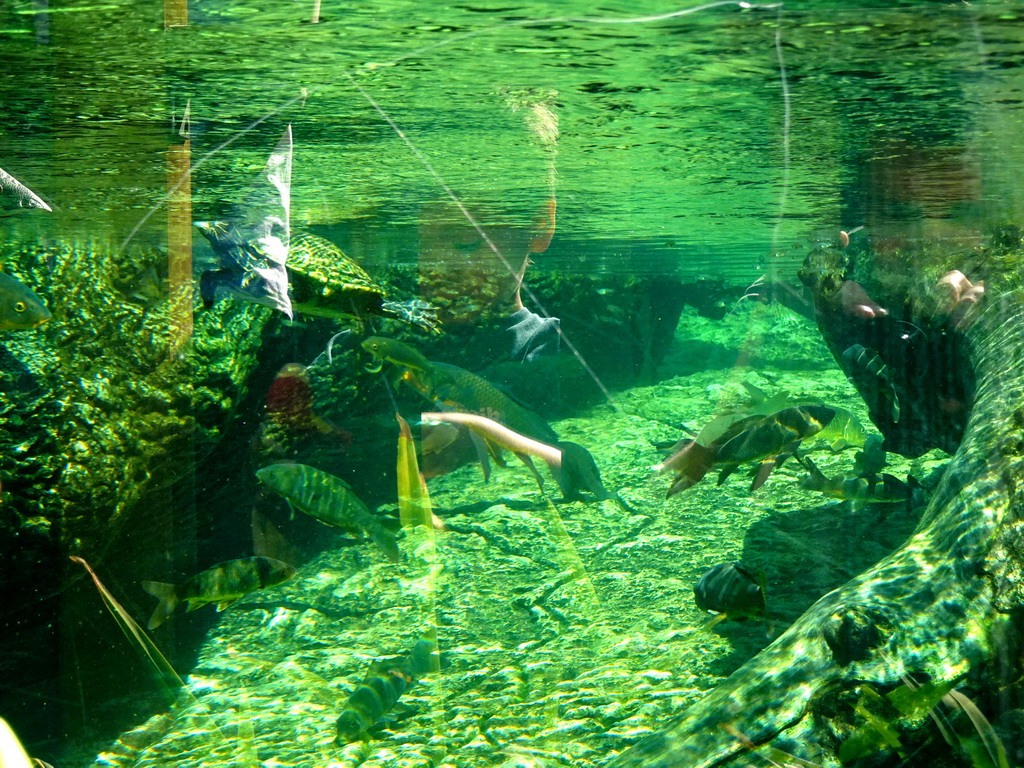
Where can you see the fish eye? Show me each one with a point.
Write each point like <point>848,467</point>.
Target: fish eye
<point>20,306</point>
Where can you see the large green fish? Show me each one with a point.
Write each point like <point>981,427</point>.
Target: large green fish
<point>458,389</point>
<point>771,439</point>
<point>329,499</point>
<point>222,584</point>
<point>20,308</point>
<point>384,683</point>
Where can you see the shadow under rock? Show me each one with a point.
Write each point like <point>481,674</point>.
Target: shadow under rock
<point>805,554</point>
<point>479,507</point>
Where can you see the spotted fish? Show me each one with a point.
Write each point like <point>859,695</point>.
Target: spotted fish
<point>380,690</point>
<point>329,499</point>
<point>20,308</point>
<point>222,584</point>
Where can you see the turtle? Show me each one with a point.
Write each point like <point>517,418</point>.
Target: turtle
<point>323,281</point>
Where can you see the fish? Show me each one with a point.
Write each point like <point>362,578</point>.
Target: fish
<point>14,194</point>
<point>222,584</point>
<point>459,390</point>
<point>20,308</point>
<point>396,352</point>
<point>384,684</point>
<point>870,460</point>
<point>248,268</point>
<point>856,489</point>
<point>251,244</point>
<point>328,499</point>
<point>732,590</point>
<point>859,358</point>
<point>845,429</point>
<point>771,439</point>
<point>446,447</point>
<point>289,404</point>
<point>865,485</point>
<point>572,465</point>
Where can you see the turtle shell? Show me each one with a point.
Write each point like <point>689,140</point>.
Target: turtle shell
<point>326,281</point>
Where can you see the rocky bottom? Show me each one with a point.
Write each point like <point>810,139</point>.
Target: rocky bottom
<point>567,631</point>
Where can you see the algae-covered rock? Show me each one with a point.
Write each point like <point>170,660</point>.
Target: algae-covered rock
<point>104,411</point>
<point>134,389</point>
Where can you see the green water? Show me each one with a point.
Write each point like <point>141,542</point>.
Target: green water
<point>687,155</point>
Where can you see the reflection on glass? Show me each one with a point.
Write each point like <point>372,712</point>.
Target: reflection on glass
<point>483,386</point>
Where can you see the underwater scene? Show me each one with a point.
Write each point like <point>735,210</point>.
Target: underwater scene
<point>521,384</point>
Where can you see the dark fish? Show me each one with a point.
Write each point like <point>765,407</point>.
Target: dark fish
<point>861,358</point>
<point>446,447</point>
<point>731,589</point>
<point>380,690</point>
<point>251,245</point>
<point>843,431</point>
<point>20,308</point>
<point>871,459</point>
<point>329,499</point>
<point>222,584</point>
<point>771,439</point>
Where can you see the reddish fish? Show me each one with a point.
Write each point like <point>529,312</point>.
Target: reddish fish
<point>290,404</point>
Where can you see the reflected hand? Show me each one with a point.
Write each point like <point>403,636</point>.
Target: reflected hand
<point>855,301</point>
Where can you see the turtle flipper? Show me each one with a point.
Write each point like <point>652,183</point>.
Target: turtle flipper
<point>414,311</point>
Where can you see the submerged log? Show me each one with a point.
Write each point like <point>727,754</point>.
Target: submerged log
<point>933,611</point>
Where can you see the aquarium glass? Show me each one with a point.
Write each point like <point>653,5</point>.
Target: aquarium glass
<point>524,384</point>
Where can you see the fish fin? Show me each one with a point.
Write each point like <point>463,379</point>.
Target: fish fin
<point>223,604</point>
<point>495,452</point>
<point>756,394</point>
<point>167,594</point>
<point>718,619</point>
<point>481,454</point>
<point>385,541</point>
<point>291,509</point>
<point>817,477</point>
<point>764,470</point>
<point>525,458</point>
<point>724,474</point>
<point>577,472</point>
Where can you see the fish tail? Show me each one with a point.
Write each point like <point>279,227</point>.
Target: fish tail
<point>422,660</point>
<point>818,481</point>
<point>690,463</point>
<point>385,541</point>
<point>167,594</point>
